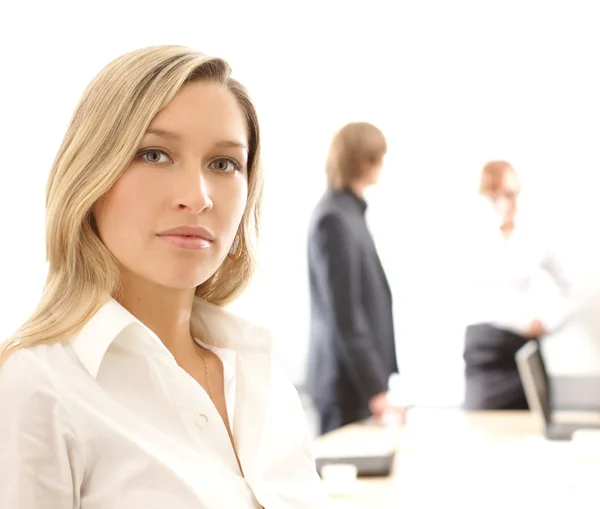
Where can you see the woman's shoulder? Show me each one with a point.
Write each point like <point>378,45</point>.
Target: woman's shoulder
<point>31,374</point>
<point>226,328</point>
<point>229,328</point>
<point>39,361</point>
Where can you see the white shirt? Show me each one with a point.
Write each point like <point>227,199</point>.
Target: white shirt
<point>505,277</point>
<point>108,420</point>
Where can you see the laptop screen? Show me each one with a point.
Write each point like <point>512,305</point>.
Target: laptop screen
<point>535,379</point>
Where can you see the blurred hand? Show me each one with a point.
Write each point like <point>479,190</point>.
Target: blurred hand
<point>536,329</point>
<point>378,405</point>
<point>381,407</point>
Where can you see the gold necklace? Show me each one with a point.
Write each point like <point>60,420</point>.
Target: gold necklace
<point>210,394</point>
<point>207,374</point>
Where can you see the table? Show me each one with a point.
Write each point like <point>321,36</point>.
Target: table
<point>475,459</point>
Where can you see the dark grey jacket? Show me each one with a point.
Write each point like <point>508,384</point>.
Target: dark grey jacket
<point>352,349</point>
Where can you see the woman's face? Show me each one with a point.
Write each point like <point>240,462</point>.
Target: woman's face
<point>173,215</point>
<point>505,198</point>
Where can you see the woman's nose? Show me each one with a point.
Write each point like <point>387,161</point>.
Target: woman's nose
<point>194,194</point>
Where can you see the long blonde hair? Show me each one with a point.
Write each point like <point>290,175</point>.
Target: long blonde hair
<point>102,139</point>
<point>351,145</point>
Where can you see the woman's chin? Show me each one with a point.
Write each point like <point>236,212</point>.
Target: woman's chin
<point>185,281</point>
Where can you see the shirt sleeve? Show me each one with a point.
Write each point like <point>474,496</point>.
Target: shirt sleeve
<point>556,312</point>
<point>342,266</point>
<point>40,457</point>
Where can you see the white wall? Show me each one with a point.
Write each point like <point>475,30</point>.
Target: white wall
<point>452,84</point>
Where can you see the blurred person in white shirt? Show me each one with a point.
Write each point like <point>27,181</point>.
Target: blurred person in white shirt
<point>504,258</point>
<point>131,385</point>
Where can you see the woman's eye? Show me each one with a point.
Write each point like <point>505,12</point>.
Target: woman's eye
<point>155,156</point>
<point>224,165</point>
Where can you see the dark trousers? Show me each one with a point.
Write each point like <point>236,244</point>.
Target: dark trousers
<point>334,416</point>
<point>492,376</point>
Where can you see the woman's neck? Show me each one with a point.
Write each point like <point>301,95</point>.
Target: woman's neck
<point>165,311</point>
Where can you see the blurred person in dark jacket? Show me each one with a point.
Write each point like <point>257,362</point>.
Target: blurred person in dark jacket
<point>352,349</point>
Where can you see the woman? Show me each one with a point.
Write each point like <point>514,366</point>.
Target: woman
<point>130,385</point>
<point>505,312</point>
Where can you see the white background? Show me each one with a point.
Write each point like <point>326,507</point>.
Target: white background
<point>451,84</point>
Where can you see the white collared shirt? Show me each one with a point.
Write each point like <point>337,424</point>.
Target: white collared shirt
<point>109,420</point>
<point>505,278</point>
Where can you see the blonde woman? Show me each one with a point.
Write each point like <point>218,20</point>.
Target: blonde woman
<point>130,385</point>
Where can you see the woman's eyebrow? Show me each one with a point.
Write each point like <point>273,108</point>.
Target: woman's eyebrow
<point>231,144</point>
<point>163,133</point>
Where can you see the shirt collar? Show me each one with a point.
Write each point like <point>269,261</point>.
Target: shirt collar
<point>361,202</point>
<point>357,200</point>
<point>211,324</point>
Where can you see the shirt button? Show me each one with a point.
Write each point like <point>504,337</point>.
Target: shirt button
<point>202,420</point>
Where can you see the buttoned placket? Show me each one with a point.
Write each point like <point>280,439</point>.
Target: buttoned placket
<point>199,415</point>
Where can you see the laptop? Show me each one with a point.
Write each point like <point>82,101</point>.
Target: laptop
<point>371,448</point>
<point>366,466</point>
<point>537,391</point>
